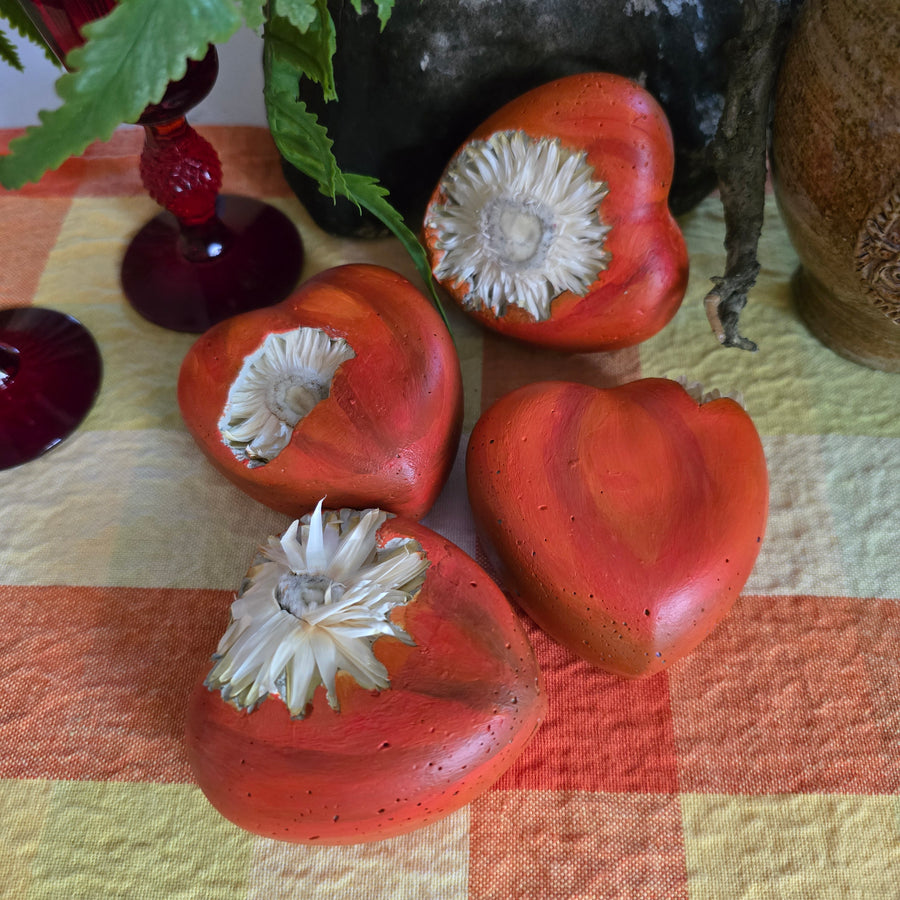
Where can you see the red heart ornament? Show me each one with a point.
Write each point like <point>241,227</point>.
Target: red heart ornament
<point>350,388</point>
<point>551,223</point>
<point>625,520</point>
<point>435,710</point>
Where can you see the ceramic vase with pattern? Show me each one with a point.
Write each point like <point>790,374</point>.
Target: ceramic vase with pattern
<point>836,162</point>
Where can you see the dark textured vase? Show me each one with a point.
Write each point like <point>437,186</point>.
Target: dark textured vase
<point>836,160</point>
<point>409,96</point>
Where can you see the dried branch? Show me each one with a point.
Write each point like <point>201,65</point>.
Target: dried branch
<point>739,157</point>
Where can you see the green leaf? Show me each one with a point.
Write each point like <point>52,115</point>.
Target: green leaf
<point>15,15</point>
<point>129,58</point>
<point>295,130</point>
<point>304,143</point>
<point>368,193</point>
<point>309,48</point>
<point>8,53</point>
<point>254,13</point>
<point>384,7</point>
<point>302,14</point>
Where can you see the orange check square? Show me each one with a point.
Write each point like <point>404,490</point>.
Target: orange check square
<point>781,699</point>
<point>96,680</point>
<point>602,733</point>
<point>28,232</point>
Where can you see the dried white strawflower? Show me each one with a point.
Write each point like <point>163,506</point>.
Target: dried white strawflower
<point>277,386</point>
<point>519,223</point>
<point>314,603</point>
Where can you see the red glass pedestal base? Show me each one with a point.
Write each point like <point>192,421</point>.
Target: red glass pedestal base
<point>209,256</point>
<point>50,373</point>
<point>189,281</point>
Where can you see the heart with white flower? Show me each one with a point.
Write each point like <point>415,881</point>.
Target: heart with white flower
<point>551,223</point>
<point>400,684</point>
<point>350,388</point>
<point>519,223</point>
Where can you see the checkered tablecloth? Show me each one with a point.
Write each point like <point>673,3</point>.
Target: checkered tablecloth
<point>765,765</point>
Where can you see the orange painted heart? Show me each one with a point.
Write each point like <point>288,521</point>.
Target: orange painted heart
<point>551,222</point>
<point>349,389</point>
<point>373,680</point>
<point>625,520</point>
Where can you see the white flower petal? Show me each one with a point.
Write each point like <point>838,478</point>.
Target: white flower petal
<point>356,548</point>
<point>294,554</point>
<point>358,660</point>
<point>300,678</point>
<point>277,387</point>
<point>519,223</point>
<point>281,654</point>
<point>400,570</point>
<point>249,650</point>
<point>325,654</point>
<point>295,624</point>
<point>316,560</point>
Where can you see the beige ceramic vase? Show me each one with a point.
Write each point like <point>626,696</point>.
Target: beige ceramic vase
<point>836,161</point>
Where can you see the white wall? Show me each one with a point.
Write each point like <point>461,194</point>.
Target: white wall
<point>236,97</point>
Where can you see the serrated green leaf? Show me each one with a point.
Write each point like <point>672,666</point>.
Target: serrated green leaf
<point>305,144</point>
<point>302,14</point>
<point>293,127</point>
<point>254,13</point>
<point>368,193</point>
<point>309,51</point>
<point>8,53</point>
<point>384,7</point>
<point>15,15</point>
<point>129,58</point>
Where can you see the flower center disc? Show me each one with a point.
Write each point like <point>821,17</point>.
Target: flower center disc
<point>298,594</point>
<point>518,231</point>
<point>518,223</point>
<point>292,397</point>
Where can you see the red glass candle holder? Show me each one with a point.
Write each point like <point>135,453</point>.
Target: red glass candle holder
<point>209,255</point>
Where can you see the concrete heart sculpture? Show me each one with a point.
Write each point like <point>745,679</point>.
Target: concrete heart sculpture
<point>350,389</point>
<point>625,520</point>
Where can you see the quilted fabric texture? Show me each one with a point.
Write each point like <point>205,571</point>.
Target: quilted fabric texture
<point>764,765</point>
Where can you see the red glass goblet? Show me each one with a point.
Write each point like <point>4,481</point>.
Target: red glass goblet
<point>50,373</point>
<point>209,255</point>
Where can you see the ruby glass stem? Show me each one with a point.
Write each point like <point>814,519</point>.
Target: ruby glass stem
<point>208,256</point>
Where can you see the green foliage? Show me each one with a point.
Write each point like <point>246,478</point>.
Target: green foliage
<point>12,12</point>
<point>304,15</point>
<point>134,52</point>
<point>384,7</point>
<point>304,143</point>
<point>254,13</point>
<point>304,33</point>
<point>129,58</point>
<point>8,53</point>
